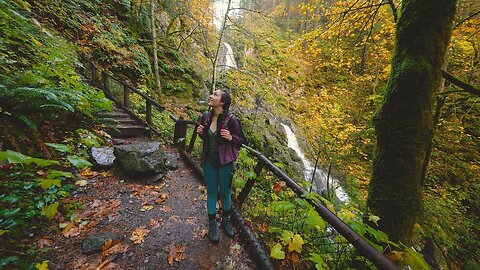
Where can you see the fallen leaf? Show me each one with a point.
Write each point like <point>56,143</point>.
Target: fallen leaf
<point>166,208</point>
<point>263,228</point>
<point>200,233</point>
<point>113,247</point>
<point>192,220</point>
<point>146,208</point>
<point>296,244</point>
<point>162,198</point>
<point>177,253</point>
<point>88,173</point>
<point>44,242</point>
<point>395,256</point>
<point>155,223</point>
<point>278,186</point>
<point>81,183</point>
<point>70,230</point>
<point>174,218</point>
<point>138,235</point>
<point>293,257</point>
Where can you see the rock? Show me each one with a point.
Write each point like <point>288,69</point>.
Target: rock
<point>93,244</point>
<point>103,156</point>
<point>141,159</point>
<point>171,161</point>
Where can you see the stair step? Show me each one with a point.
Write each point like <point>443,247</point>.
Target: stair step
<point>129,131</point>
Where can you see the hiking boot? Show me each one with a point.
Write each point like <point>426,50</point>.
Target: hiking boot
<point>213,230</point>
<point>227,225</point>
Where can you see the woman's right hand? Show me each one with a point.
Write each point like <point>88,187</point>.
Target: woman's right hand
<point>200,129</point>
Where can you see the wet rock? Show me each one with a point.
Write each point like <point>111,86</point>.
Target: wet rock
<point>103,156</point>
<point>140,159</point>
<point>93,244</point>
<point>171,162</point>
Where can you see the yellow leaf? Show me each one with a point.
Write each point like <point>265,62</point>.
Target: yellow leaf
<point>138,235</point>
<point>296,244</point>
<point>42,266</point>
<point>146,208</point>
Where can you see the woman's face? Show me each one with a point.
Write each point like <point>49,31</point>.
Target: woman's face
<point>214,100</point>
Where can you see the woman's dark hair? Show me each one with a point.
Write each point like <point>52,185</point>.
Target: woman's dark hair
<point>226,100</point>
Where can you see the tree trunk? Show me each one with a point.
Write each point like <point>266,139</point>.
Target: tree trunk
<point>403,124</point>
<point>158,89</point>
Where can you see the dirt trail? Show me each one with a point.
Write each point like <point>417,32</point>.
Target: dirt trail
<point>167,220</point>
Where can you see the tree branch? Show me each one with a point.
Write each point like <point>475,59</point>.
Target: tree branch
<point>472,89</point>
<point>394,10</point>
<point>466,19</point>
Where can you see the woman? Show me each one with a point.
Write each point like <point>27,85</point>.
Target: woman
<point>222,137</point>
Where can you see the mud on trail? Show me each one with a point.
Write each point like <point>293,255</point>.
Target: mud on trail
<point>151,226</point>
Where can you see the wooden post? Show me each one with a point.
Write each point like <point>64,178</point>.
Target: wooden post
<point>192,140</point>
<point>126,96</point>
<point>149,112</point>
<point>249,185</point>
<point>93,81</point>
<point>180,133</point>
<point>106,83</point>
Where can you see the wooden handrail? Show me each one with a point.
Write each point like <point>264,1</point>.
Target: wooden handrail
<point>146,97</point>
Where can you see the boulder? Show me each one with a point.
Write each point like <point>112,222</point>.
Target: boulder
<point>103,156</point>
<point>141,159</point>
<point>171,161</point>
<point>93,244</point>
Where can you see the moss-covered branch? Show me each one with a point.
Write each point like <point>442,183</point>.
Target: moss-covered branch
<point>464,85</point>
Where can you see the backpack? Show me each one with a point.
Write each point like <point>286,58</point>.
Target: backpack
<point>225,121</point>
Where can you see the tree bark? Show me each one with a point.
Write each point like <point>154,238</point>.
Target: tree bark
<point>404,124</point>
<point>158,86</point>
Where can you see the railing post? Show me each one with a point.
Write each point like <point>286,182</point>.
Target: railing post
<point>180,132</point>
<point>149,112</point>
<point>249,185</point>
<point>192,140</point>
<point>126,96</point>
<point>94,74</point>
<point>106,83</point>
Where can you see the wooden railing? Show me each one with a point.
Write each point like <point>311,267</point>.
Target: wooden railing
<point>362,246</point>
<point>128,90</point>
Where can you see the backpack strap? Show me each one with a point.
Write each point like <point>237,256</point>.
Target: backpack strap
<point>226,120</point>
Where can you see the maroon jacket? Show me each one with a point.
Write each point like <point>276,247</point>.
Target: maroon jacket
<point>227,150</point>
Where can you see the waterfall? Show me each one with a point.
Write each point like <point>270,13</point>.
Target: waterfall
<point>319,182</point>
<point>229,57</point>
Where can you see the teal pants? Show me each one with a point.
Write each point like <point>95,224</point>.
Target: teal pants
<point>218,179</point>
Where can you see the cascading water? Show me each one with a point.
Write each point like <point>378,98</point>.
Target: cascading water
<point>320,184</point>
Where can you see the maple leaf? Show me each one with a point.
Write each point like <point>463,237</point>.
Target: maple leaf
<point>296,244</point>
<point>138,235</point>
<point>177,253</point>
<point>42,266</point>
<point>155,223</point>
<point>278,186</point>
<point>113,247</point>
<point>277,252</point>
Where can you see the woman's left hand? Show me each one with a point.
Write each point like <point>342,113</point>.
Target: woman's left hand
<point>225,133</point>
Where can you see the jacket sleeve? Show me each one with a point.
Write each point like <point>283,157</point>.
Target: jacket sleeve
<point>236,131</point>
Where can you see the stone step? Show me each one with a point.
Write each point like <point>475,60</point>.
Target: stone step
<point>129,131</point>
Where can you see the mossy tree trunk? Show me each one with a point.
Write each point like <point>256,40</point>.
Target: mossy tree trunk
<point>404,125</point>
